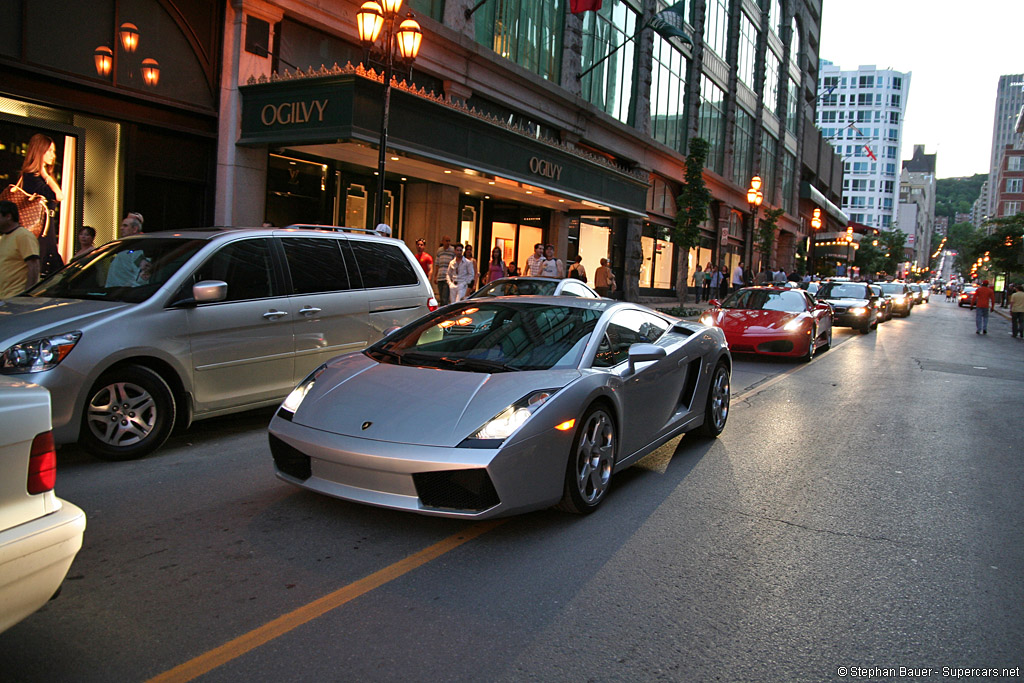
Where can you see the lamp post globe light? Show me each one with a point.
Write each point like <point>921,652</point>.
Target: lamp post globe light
<point>815,227</point>
<point>754,199</point>
<point>400,40</point>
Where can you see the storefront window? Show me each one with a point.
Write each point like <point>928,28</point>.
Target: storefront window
<point>355,207</point>
<point>528,32</point>
<point>295,190</point>
<point>595,242</point>
<point>659,258</point>
<point>609,86</point>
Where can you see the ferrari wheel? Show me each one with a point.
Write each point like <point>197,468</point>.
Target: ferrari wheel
<point>716,411</point>
<point>130,414</point>
<point>806,358</point>
<point>591,461</point>
<point>828,341</point>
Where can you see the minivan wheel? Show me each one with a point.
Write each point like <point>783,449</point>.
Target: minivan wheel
<point>129,414</point>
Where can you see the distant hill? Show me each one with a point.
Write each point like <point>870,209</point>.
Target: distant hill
<point>957,195</point>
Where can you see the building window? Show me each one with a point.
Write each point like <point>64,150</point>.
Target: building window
<point>792,99</point>
<point>775,16</point>
<point>716,26</point>
<point>747,51</point>
<point>769,151</point>
<point>788,179</point>
<point>794,45</point>
<point>1011,208</point>
<point>528,32</point>
<point>1015,185</point>
<point>894,118</point>
<point>610,85</point>
<point>743,156</point>
<point>897,83</point>
<point>668,83</point>
<point>895,100</point>
<point>830,82</point>
<point>1015,164</point>
<point>866,82</point>
<point>771,82</point>
<point>712,121</point>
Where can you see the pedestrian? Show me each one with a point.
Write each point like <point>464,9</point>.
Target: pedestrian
<point>764,276</point>
<point>737,277</point>
<point>19,253</point>
<point>383,229</point>
<point>723,285</point>
<point>86,240</point>
<point>496,268</point>
<point>444,257</point>
<point>535,262</point>
<point>779,277</point>
<point>467,253</point>
<point>985,300</point>
<point>577,271</point>
<point>1017,311</point>
<point>459,275</point>
<point>604,279</point>
<point>425,260</point>
<point>125,266</point>
<point>513,269</point>
<point>706,285</point>
<point>552,267</point>
<point>698,282</point>
<point>715,284</point>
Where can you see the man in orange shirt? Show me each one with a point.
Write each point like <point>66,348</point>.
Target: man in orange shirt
<point>985,302</point>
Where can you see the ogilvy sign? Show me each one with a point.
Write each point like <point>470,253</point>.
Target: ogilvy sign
<point>293,113</point>
<point>545,168</point>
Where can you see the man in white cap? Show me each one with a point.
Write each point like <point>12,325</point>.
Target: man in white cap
<point>383,229</point>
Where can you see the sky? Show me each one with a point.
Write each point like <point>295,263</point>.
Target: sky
<point>955,51</point>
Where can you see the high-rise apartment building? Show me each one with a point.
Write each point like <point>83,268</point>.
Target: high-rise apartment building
<point>861,113</point>
<point>1009,100</point>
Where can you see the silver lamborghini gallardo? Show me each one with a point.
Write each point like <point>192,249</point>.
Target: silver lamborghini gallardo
<point>498,406</point>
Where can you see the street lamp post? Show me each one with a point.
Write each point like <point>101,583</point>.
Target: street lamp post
<point>372,18</point>
<point>754,199</point>
<point>815,227</point>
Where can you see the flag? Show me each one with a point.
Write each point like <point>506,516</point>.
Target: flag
<point>870,153</point>
<point>579,6</point>
<point>669,22</point>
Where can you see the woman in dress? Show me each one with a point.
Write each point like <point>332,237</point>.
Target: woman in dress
<point>37,178</point>
<point>496,269</point>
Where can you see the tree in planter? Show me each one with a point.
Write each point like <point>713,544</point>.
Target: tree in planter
<point>764,235</point>
<point>692,210</point>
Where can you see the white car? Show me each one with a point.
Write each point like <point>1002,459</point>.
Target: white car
<point>40,534</point>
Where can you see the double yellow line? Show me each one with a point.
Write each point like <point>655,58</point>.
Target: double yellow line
<point>233,649</point>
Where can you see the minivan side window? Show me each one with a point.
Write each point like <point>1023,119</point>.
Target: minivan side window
<point>382,265</point>
<point>316,264</point>
<point>247,266</point>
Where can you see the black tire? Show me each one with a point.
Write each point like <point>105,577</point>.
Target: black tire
<point>809,356</point>
<point>716,408</point>
<point>588,473</point>
<point>865,328</point>
<point>129,414</point>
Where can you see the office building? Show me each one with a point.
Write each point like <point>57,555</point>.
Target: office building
<point>917,187</point>
<point>1009,102</point>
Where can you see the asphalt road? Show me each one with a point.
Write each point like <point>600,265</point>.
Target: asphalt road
<point>861,511</point>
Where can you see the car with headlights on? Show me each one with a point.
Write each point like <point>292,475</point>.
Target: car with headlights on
<point>884,303</point>
<point>539,405</point>
<point>157,330</point>
<point>922,291</point>
<point>40,534</point>
<point>772,321</point>
<point>853,304</point>
<point>521,285</point>
<point>968,296</point>
<point>902,299</point>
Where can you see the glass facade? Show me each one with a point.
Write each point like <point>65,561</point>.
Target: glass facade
<point>769,151</point>
<point>609,86</point>
<point>747,51</point>
<point>716,26</point>
<point>668,83</point>
<point>743,152</point>
<point>528,32</point>
<point>712,122</point>
<point>771,81</point>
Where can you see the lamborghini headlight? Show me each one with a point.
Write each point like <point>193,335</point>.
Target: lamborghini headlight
<point>294,399</point>
<point>505,423</point>
<point>38,355</point>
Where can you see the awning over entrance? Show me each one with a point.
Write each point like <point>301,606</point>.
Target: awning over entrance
<point>808,191</point>
<point>343,105</point>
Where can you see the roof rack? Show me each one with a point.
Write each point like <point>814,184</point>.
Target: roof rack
<point>336,228</point>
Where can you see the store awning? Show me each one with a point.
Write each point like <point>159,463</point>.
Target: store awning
<point>343,106</point>
<point>808,191</point>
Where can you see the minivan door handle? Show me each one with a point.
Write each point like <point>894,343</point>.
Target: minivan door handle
<point>273,315</point>
<point>309,310</point>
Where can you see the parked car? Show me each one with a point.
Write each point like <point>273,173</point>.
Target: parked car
<point>884,303</point>
<point>924,290</point>
<point>902,301</point>
<point>853,304</point>
<point>968,297</point>
<point>40,534</point>
<point>540,405</point>
<point>166,328</point>
<point>535,286</point>
<point>810,287</point>
<point>772,321</point>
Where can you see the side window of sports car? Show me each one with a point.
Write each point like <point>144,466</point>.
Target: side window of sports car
<point>626,328</point>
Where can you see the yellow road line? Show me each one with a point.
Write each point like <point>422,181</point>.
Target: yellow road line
<point>233,649</point>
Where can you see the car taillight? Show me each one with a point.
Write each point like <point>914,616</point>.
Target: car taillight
<point>42,464</point>
<point>432,304</point>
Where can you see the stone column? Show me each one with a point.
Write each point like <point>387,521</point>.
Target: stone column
<point>634,258</point>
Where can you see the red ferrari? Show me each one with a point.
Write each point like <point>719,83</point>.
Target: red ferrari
<point>774,321</point>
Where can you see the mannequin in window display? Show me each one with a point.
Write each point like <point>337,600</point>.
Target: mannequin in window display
<point>37,178</point>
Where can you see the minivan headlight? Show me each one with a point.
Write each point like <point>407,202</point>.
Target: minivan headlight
<point>38,355</point>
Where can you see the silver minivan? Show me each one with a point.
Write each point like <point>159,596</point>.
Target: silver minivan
<point>161,329</point>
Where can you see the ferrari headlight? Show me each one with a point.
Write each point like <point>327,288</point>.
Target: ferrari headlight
<point>859,310</point>
<point>793,325</point>
<point>707,319</point>
<point>38,355</point>
<point>505,423</point>
<point>294,399</point>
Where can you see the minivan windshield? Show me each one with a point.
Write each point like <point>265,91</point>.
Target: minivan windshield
<point>129,270</point>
